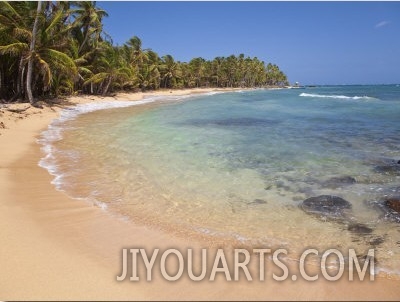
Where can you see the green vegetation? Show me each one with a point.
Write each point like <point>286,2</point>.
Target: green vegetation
<point>48,49</point>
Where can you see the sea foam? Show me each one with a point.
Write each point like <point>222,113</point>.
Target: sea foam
<point>345,97</point>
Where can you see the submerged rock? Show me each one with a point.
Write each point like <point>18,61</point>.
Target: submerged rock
<point>327,206</point>
<point>340,181</point>
<point>358,228</point>
<point>389,206</point>
<point>376,241</point>
<point>393,203</point>
<point>338,210</point>
<point>392,168</point>
<point>363,233</point>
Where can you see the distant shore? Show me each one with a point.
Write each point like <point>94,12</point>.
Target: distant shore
<point>57,248</point>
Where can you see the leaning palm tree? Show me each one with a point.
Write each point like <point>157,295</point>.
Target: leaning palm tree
<point>149,72</point>
<point>154,64</point>
<point>15,35</point>
<point>52,56</point>
<point>32,53</point>
<point>136,55</point>
<point>170,71</point>
<point>88,24</point>
<point>42,51</point>
<point>111,70</point>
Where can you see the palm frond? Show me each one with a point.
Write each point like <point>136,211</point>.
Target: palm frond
<point>14,49</point>
<point>84,71</point>
<point>61,59</point>
<point>20,32</point>
<point>80,61</point>
<point>45,71</point>
<point>5,6</point>
<point>97,78</point>
<point>5,21</point>
<point>56,20</point>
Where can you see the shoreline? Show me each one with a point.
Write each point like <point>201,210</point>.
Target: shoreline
<point>55,247</point>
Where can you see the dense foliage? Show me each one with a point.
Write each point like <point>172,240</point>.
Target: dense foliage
<point>48,49</point>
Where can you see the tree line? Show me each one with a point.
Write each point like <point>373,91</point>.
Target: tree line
<point>49,49</point>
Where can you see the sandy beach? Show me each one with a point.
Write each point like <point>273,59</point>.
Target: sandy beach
<point>57,248</point>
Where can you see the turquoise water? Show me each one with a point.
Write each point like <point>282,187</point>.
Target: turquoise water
<point>234,167</point>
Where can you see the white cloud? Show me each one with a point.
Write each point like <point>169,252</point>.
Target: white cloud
<point>381,24</point>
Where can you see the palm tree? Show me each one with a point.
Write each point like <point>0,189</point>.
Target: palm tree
<point>197,67</point>
<point>150,71</point>
<point>136,55</point>
<point>170,71</point>
<point>15,34</point>
<point>42,51</point>
<point>274,76</point>
<point>216,71</point>
<point>88,24</point>
<point>32,53</point>
<point>144,62</point>
<point>86,30</point>
<point>112,69</point>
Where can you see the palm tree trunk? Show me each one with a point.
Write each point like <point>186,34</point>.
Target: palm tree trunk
<point>20,79</point>
<point>107,86</point>
<point>1,81</point>
<point>23,75</point>
<point>85,33</point>
<point>31,52</point>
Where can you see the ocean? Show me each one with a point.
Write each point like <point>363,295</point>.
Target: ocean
<point>235,167</point>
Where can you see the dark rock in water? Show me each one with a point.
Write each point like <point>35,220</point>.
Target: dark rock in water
<point>398,162</point>
<point>376,241</point>
<point>328,206</point>
<point>336,182</point>
<point>392,168</point>
<point>393,203</point>
<point>361,232</point>
<point>344,180</point>
<point>358,228</point>
<point>389,207</point>
<point>326,203</point>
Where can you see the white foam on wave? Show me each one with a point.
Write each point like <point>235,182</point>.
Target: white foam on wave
<point>213,92</point>
<point>344,97</point>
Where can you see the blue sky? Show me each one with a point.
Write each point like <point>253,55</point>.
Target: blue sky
<point>312,42</point>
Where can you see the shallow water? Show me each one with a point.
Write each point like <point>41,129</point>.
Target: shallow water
<point>235,167</point>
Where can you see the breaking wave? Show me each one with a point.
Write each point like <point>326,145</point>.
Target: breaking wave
<point>344,97</point>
